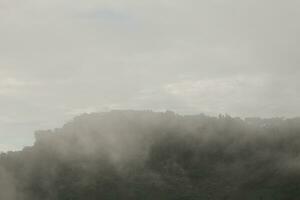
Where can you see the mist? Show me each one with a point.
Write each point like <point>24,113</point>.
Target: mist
<point>160,99</point>
<point>60,58</point>
<point>129,154</point>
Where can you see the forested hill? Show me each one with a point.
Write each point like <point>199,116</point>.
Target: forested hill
<point>144,155</point>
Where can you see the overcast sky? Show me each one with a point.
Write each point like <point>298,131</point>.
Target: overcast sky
<point>60,58</point>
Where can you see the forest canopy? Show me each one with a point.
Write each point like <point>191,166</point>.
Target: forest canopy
<point>157,155</point>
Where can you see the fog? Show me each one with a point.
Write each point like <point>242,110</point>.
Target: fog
<point>7,185</point>
<point>157,155</point>
<point>60,58</point>
<point>160,99</point>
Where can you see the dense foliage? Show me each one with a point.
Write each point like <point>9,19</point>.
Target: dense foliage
<point>144,155</point>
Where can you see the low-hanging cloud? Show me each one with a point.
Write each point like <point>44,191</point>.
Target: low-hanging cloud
<point>130,154</point>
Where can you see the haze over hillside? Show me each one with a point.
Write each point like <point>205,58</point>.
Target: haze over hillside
<point>143,71</point>
<point>60,58</point>
<point>153,155</point>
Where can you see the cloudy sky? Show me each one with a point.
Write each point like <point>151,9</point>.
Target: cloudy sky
<point>60,58</point>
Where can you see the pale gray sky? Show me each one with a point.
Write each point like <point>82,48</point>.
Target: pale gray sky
<point>59,58</point>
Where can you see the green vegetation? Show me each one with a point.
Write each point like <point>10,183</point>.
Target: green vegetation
<point>143,155</point>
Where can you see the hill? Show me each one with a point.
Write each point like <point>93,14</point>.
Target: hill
<point>148,155</point>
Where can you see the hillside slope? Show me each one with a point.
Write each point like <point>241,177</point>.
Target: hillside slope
<point>148,155</point>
